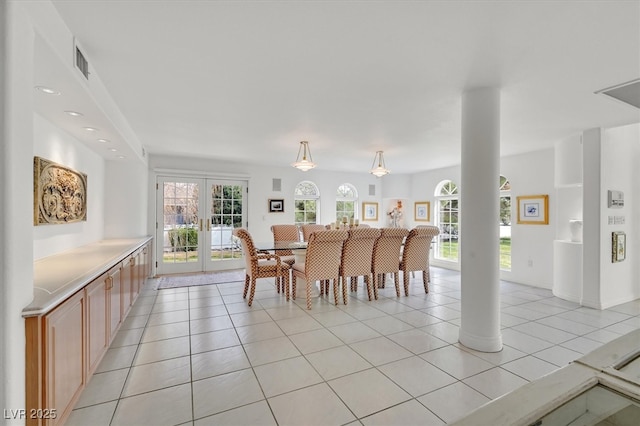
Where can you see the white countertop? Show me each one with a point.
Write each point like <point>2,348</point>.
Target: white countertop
<point>57,277</point>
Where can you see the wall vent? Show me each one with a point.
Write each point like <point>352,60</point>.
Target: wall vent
<point>81,63</point>
<point>276,185</point>
<point>628,92</point>
<point>372,190</point>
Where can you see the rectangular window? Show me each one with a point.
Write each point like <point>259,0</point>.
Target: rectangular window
<point>305,212</point>
<point>448,237</point>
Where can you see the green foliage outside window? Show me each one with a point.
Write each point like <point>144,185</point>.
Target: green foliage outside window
<point>183,239</point>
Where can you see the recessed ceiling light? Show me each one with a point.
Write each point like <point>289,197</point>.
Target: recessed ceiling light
<point>90,129</point>
<point>103,140</point>
<point>74,113</point>
<point>47,90</point>
<point>112,149</point>
<point>120,156</point>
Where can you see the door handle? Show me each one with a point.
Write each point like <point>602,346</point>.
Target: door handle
<point>208,225</point>
<point>200,225</point>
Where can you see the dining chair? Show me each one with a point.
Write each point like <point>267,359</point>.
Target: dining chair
<point>324,250</point>
<point>357,255</point>
<point>283,233</point>
<point>415,255</point>
<point>308,229</point>
<point>260,265</point>
<point>386,257</point>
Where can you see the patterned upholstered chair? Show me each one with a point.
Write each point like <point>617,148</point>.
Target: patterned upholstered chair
<point>260,265</point>
<point>324,251</point>
<point>285,233</point>
<point>308,229</point>
<point>357,254</point>
<point>415,255</point>
<point>386,257</point>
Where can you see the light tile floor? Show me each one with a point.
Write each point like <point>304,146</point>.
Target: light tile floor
<point>201,356</point>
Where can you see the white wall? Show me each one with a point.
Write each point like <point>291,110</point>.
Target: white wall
<point>260,188</point>
<point>620,155</point>
<point>58,146</point>
<point>529,174</point>
<point>531,245</point>
<point>125,199</point>
<point>3,154</point>
<point>17,183</point>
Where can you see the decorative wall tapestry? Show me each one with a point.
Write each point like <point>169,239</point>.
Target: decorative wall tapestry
<point>59,193</point>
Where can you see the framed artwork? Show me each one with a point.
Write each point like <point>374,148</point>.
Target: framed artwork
<point>370,211</point>
<point>276,205</point>
<point>59,193</point>
<point>618,246</point>
<point>533,209</point>
<point>422,211</point>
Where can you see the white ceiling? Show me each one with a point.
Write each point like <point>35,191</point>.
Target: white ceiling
<point>247,80</point>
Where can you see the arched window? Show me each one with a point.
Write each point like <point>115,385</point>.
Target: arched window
<point>447,211</point>
<point>306,199</point>
<point>505,223</point>
<point>346,202</point>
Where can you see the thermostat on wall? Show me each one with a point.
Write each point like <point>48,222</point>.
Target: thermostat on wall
<point>615,199</point>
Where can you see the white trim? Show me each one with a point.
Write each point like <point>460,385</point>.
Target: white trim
<point>200,173</point>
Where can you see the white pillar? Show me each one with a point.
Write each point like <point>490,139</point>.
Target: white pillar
<point>479,220</point>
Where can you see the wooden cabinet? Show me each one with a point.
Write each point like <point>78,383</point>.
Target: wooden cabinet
<point>97,320</point>
<point>126,277</point>
<point>66,342</point>
<point>146,251</point>
<point>64,360</point>
<point>114,294</point>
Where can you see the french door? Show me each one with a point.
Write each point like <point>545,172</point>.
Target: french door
<point>195,219</point>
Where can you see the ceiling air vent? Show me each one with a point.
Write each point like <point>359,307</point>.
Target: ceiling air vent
<point>82,64</point>
<point>628,92</point>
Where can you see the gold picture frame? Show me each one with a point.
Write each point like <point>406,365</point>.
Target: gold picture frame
<point>59,193</point>
<point>533,209</point>
<point>422,211</point>
<point>369,211</point>
<point>618,246</point>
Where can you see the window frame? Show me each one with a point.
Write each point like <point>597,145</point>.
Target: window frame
<point>306,198</point>
<point>351,213</point>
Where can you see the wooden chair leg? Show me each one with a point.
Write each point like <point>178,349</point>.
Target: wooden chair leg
<point>252,291</point>
<point>336,283</point>
<point>397,283</point>
<point>293,287</point>
<point>246,286</point>
<point>425,281</point>
<point>375,286</point>
<point>367,282</point>
<point>405,280</point>
<point>344,291</point>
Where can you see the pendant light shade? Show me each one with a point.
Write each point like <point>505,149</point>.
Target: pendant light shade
<point>306,163</point>
<point>381,169</point>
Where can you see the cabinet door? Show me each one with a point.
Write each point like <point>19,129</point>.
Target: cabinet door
<point>147,261</point>
<point>114,294</point>
<point>136,274</point>
<point>97,321</point>
<point>126,281</point>
<point>65,361</point>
